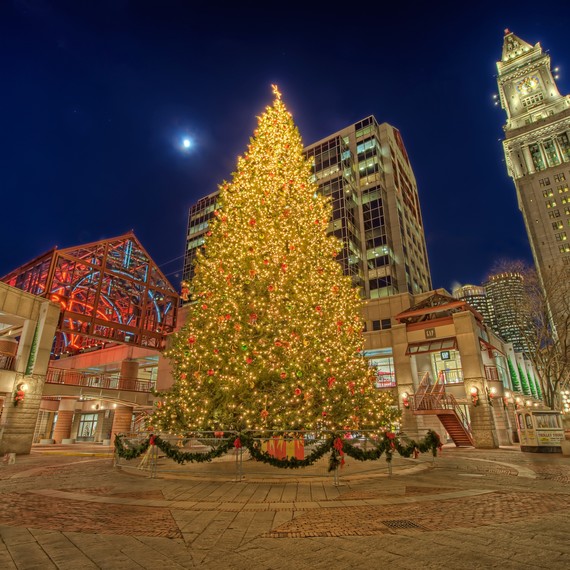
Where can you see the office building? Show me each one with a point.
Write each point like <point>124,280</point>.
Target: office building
<point>366,170</point>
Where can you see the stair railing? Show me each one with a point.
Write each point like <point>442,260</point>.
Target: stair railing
<point>422,391</point>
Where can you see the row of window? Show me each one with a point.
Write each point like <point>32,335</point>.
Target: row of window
<point>549,192</point>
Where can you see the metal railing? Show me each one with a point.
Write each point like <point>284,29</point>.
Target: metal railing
<point>491,373</point>
<point>237,465</point>
<point>440,402</point>
<point>452,375</point>
<point>7,361</point>
<point>102,381</point>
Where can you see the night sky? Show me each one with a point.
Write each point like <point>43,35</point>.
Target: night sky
<point>97,97</point>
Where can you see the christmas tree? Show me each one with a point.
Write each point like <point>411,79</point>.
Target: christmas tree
<point>524,382</point>
<point>273,337</point>
<point>514,378</point>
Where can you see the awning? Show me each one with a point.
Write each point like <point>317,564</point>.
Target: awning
<point>432,346</point>
<point>485,345</point>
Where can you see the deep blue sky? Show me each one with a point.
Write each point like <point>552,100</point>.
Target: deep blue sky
<point>97,96</point>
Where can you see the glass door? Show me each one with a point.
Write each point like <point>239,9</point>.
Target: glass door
<point>87,427</point>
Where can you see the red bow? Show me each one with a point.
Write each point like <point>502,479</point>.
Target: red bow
<point>338,446</point>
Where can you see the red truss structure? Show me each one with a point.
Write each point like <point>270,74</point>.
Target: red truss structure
<point>109,291</point>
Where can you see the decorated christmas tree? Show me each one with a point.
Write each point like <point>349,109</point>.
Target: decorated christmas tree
<point>273,337</point>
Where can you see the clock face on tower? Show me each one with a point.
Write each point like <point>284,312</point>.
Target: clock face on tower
<point>528,84</point>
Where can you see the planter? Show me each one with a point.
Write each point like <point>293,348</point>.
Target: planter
<point>67,441</point>
<point>106,442</point>
<point>46,441</point>
<point>565,445</point>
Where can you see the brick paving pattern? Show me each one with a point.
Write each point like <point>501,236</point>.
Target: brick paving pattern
<point>74,513</point>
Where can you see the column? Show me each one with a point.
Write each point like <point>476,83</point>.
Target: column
<point>121,421</point>
<point>129,374</point>
<point>516,162</point>
<point>528,160</point>
<point>483,426</point>
<point>65,413</point>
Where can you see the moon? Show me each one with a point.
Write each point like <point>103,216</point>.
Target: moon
<point>186,143</point>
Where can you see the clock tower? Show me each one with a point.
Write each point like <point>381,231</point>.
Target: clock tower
<point>537,147</point>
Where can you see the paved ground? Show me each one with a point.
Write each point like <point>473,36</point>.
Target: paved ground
<point>467,509</point>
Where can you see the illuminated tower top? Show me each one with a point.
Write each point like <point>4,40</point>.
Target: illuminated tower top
<point>527,88</point>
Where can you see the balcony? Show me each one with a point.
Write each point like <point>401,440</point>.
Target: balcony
<point>7,361</point>
<point>100,381</point>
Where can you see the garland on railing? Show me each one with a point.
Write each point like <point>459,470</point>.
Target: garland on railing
<point>338,446</point>
<point>257,454</point>
<point>171,451</point>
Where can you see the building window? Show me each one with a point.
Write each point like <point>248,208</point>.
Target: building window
<point>561,236</point>
<point>554,214</point>
<point>381,325</point>
<point>381,364</point>
<point>551,153</point>
<point>547,193</point>
<point>563,188</point>
<point>533,100</point>
<point>550,203</point>
<point>564,248</point>
<point>564,146</point>
<point>559,177</point>
<point>544,182</point>
<point>557,225</point>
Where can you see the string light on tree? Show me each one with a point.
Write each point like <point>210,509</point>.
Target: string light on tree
<point>273,337</point>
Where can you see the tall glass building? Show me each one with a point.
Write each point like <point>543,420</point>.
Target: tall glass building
<point>376,210</point>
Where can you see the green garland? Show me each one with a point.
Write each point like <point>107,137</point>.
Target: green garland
<point>336,444</point>
<point>171,451</point>
<point>257,454</point>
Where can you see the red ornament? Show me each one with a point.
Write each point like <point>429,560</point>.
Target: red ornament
<point>266,261</point>
<point>204,307</point>
<point>331,380</point>
<point>318,308</point>
<point>237,442</point>
<point>284,266</point>
<point>183,376</point>
<point>252,222</point>
<point>283,375</point>
<point>249,360</point>
<point>297,391</point>
<point>351,386</point>
<point>210,372</point>
<point>270,288</point>
<point>253,318</point>
<point>151,440</point>
<point>227,317</point>
<point>264,413</point>
<point>192,339</point>
<point>218,434</point>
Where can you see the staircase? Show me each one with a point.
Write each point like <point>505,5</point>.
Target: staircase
<point>431,399</point>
